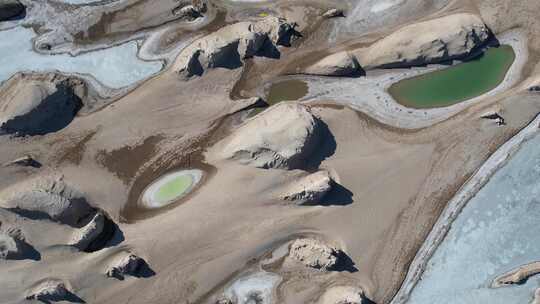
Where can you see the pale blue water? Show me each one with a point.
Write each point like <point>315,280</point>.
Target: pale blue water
<point>114,67</point>
<point>497,231</point>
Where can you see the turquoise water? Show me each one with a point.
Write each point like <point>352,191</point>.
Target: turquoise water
<point>497,231</point>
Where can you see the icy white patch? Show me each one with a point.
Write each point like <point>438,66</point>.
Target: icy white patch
<point>114,67</point>
<point>496,232</point>
<point>256,288</point>
<point>384,5</point>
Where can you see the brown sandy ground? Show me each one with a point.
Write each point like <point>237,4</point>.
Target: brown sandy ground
<point>394,184</point>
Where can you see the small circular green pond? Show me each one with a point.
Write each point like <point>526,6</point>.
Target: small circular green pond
<point>170,188</point>
<point>457,83</point>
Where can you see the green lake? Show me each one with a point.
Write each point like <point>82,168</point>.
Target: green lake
<point>170,188</point>
<point>457,83</point>
<point>174,188</point>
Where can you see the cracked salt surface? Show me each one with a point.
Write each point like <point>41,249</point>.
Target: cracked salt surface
<point>255,288</point>
<point>114,67</point>
<point>497,231</point>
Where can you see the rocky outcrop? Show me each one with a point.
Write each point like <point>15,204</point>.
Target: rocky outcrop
<point>49,290</point>
<point>40,104</point>
<point>190,10</point>
<point>338,64</point>
<point>25,161</point>
<point>284,136</point>
<point>333,13</point>
<point>85,236</point>
<point>314,253</point>
<point>517,276</point>
<point>433,41</point>
<point>125,264</point>
<point>10,9</point>
<point>52,290</point>
<point>9,247</point>
<point>343,295</point>
<point>309,189</point>
<point>13,245</point>
<point>230,45</point>
<point>47,198</point>
<point>495,116</point>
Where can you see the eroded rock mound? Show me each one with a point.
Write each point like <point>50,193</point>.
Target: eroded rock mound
<point>517,276</point>
<point>338,64</point>
<point>432,41</point>
<point>309,189</point>
<point>49,290</point>
<point>47,198</point>
<point>190,10</point>
<point>343,295</point>
<point>39,104</point>
<point>125,264</point>
<point>230,45</point>
<point>314,253</point>
<point>13,245</point>
<point>9,248</point>
<point>87,235</point>
<point>333,13</point>
<point>283,136</point>
<point>10,9</point>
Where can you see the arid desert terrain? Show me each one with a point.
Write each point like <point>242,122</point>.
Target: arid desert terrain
<point>269,151</point>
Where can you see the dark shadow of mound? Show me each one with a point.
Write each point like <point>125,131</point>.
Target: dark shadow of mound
<point>69,297</point>
<point>268,50</point>
<point>54,113</point>
<point>110,237</point>
<point>338,196</point>
<point>324,148</point>
<point>144,270</point>
<point>229,58</point>
<point>28,252</point>
<point>365,300</point>
<point>116,239</point>
<point>344,263</point>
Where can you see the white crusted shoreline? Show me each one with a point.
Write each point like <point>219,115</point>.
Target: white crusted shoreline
<point>369,94</point>
<point>148,200</point>
<point>457,203</point>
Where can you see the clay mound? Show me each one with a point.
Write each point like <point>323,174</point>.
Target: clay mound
<point>127,264</point>
<point>314,253</point>
<point>283,136</point>
<point>32,107</point>
<point>10,9</point>
<point>228,46</point>
<point>47,198</point>
<point>9,248</point>
<point>432,41</point>
<point>13,246</point>
<point>309,189</point>
<point>338,64</point>
<point>93,235</point>
<point>51,290</point>
<point>343,295</point>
